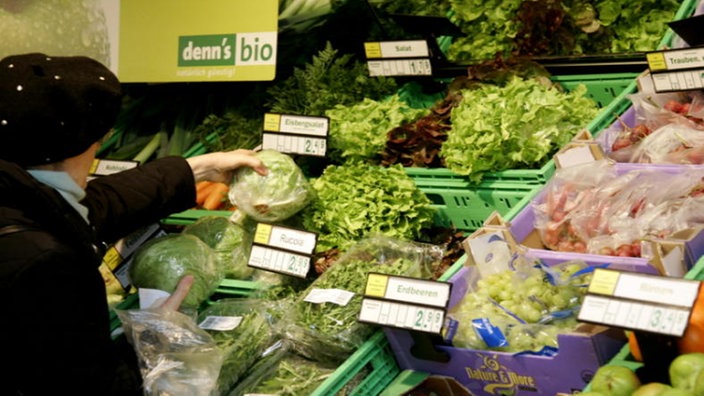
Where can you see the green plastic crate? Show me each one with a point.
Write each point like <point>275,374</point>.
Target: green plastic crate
<point>189,216</point>
<point>467,208</point>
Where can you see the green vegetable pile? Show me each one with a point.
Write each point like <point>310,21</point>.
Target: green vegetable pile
<point>243,345</point>
<point>355,200</point>
<point>359,131</point>
<point>329,79</point>
<point>230,242</point>
<point>160,264</point>
<point>327,332</point>
<point>294,376</point>
<point>557,27</point>
<point>518,125</point>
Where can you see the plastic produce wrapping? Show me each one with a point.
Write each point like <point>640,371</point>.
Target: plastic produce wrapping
<point>231,243</point>
<point>327,331</point>
<point>275,197</point>
<point>664,130</point>
<point>243,331</point>
<point>284,373</point>
<point>589,208</point>
<point>176,357</point>
<point>521,308</point>
<point>160,264</point>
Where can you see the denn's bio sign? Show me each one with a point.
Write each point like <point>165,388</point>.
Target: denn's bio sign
<point>227,49</point>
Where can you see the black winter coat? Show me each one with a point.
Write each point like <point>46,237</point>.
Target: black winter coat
<point>55,330</point>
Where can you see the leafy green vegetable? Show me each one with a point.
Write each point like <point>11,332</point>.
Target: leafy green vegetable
<point>328,332</point>
<point>275,197</point>
<point>242,345</point>
<point>329,79</point>
<point>229,131</point>
<point>518,125</point>
<point>230,242</point>
<point>359,131</point>
<point>355,200</point>
<point>294,376</point>
<point>160,264</point>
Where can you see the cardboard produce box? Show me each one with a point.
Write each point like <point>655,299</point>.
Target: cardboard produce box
<point>484,372</point>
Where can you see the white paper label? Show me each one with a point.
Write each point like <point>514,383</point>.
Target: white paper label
<point>575,156</point>
<point>220,323</point>
<point>335,296</point>
<point>418,291</point>
<point>149,297</point>
<point>304,145</point>
<point>404,49</point>
<point>399,67</point>
<point>279,261</point>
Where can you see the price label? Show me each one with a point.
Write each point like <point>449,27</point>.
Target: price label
<point>397,49</point>
<point>639,302</point>
<point>399,67</point>
<point>404,302</point>
<point>304,145</point>
<point>404,316</point>
<point>103,167</point>
<point>282,249</point>
<point>295,134</point>
<point>677,69</point>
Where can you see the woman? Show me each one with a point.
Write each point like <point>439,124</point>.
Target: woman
<point>55,225</point>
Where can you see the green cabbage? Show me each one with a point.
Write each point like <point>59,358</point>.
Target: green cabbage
<point>161,263</point>
<point>275,197</point>
<point>231,243</point>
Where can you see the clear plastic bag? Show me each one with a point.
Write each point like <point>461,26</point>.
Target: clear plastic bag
<point>176,357</point>
<point>275,197</point>
<point>327,331</point>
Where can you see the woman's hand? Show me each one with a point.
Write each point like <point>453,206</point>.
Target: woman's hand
<point>173,302</point>
<point>219,166</point>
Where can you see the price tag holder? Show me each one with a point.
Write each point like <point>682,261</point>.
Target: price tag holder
<point>639,302</point>
<point>292,134</point>
<point>405,303</point>
<point>677,69</point>
<point>104,167</point>
<point>398,58</point>
<point>282,249</point>
<point>118,257</point>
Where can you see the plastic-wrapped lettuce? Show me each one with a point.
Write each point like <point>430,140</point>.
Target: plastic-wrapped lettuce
<point>275,197</point>
<point>231,243</point>
<point>160,263</point>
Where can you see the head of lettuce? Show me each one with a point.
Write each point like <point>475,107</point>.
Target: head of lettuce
<point>283,192</point>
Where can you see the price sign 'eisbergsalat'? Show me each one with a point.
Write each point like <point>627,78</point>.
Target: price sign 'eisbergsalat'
<point>639,302</point>
<point>296,134</point>
<point>282,249</point>
<point>398,58</point>
<point>405,303</point>
<point>677,69</point>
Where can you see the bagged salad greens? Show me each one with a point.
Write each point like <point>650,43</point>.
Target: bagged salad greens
<point>243,331</point>
<point>275,197</point>
<point>231,243</point>
<point>321,322</point>
<point>160,264</point>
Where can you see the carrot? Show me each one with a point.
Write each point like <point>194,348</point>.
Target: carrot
<point>203,189</point>
<point>216,198</point>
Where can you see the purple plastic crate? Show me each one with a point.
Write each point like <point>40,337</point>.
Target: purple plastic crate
<point>487,373</point>
<point>522,227</point>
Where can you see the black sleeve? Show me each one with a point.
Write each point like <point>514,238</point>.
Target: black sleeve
<point>126,201</point>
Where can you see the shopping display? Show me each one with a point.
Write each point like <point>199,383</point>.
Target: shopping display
<point>553,207</point>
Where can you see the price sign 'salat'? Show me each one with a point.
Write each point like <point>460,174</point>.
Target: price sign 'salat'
<point>282,249</point>
<point>296,134</point>
<point>398,58</point>
<point>640,302</point>
<point>406,303</point>
<point>104,167</point>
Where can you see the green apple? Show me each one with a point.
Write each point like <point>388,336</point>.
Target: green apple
<point>684,370</point>
<point>651,389</point>
<point>699,384</point>
<point>615,381</point>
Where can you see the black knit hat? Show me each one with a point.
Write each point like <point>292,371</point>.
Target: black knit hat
<point>53,108</point>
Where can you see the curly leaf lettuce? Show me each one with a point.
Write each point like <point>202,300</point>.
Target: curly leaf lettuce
<point>518,125</point>
<point>359,131</point>
<point>354,200</point>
